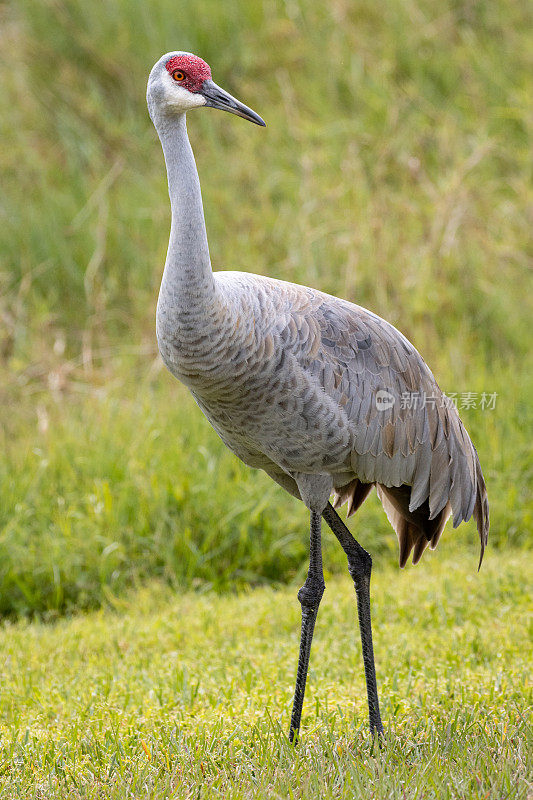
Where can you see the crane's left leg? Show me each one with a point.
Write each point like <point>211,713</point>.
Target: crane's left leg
<point>360,567</point>
<point>309,596</point>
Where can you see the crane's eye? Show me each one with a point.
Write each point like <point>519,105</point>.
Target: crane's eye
<point>178,75</point>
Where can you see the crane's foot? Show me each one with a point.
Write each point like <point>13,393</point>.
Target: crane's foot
<point>309,596</point>
<point>360,568</point>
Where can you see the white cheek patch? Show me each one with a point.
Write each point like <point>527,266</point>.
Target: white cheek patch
<point>181,99</point>
<point>196,99</point>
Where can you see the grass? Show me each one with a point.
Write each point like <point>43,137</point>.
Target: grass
<point>118,488</point>
<point>395,171</point>
<point>189,696</point>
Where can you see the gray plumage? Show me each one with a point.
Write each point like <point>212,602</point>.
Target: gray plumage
<point>290,377</point>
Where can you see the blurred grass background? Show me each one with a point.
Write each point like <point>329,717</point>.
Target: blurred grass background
<point>395,171</point>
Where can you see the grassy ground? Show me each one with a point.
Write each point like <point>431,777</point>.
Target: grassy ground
<point>190,696</point>
<point>395,171</point>
<point>135,484</point>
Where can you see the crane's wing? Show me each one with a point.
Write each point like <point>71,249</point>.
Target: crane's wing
<point>408,438</point>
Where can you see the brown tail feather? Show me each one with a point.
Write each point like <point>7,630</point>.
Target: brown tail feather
<point>481,511</point>
<point>355,493</point>
<point>407,538</point>
<point>414,528</point>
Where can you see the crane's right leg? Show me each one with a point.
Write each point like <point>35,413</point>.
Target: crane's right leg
<point>309,596</point>
<point>360,567</point>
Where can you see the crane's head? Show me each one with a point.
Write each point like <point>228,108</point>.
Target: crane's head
<point>181,81</point>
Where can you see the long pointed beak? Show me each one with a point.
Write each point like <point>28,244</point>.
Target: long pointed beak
<point>218,98</point>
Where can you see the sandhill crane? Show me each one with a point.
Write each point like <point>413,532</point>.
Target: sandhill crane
<point>305,386</point>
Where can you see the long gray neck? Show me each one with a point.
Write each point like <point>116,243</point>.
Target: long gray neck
<point>188,283</point>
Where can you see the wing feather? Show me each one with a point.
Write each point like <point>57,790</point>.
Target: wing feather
<point>354,357</point>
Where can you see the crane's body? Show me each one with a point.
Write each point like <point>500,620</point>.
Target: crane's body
<point>320,393</point>
<point>288,377</point>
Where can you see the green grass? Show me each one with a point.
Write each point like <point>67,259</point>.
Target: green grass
<point>133,484</point>
<point>395,171</point>
<point>187,696</point>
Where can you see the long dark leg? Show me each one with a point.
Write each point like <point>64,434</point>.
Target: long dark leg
<point>360,567</point>
<point>309,596</point>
